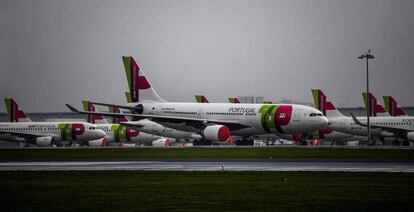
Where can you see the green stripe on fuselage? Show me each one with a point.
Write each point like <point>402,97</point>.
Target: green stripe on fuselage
<point>119,133</point>
<point>65,131</point>
<point>268,117</point>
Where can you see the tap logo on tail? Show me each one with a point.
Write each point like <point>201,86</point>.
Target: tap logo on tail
<point>14,112</point>
<point>117,119</point>
<point>136,81</point>
<point>374,108</point>
<point>392,108</point>
<point>94,119</point>
<point>201,99</point>
<point>234,100</point>
<point>321,102</point>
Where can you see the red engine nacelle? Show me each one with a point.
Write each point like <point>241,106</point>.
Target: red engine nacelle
<point>97,143</point>
<point>162,142</point>
<point>216,133</point>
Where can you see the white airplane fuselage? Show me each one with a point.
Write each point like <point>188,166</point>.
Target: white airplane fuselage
<point>116,133</point>
<point>347,125</point>
<point>154,128</point>
<point>262,118</point>
<point>56,131</point>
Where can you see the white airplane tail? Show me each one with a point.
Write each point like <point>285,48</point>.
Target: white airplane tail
<point>140,89</point>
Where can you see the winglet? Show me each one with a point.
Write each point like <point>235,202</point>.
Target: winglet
<point>357,121</point>
<point>71,108</point>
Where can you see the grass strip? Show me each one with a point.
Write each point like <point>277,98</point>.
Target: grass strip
<point>206,154</point>
<point>206,191</point>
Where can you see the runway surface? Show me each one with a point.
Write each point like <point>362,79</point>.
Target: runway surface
<point>341,166</point>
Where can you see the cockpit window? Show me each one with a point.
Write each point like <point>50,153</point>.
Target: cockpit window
<point>315,114</point>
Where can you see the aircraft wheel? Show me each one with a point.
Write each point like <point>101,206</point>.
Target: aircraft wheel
<point>196,142</point>
<point>406,143</point>
<point>238,142</point>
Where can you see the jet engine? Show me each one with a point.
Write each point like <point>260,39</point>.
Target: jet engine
<point>139,109</point>
<point>162,142</point>
<point>97,143</point>
<point>216,133</point>
<point>44,141</point>
<point>410,136</point>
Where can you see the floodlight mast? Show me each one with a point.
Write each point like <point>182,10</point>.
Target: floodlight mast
<point>368,56</point>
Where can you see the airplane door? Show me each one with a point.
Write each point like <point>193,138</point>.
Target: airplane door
<point>157,110</point>
<point>296,115</point>
<point>342,124</point>
<point>200,114</point>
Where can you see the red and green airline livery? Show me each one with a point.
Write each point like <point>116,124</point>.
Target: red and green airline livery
<point>214,121</point>
<point>382,127</point>
<point>22,129</point>
<point>117,134</point>
<point>391,106</point>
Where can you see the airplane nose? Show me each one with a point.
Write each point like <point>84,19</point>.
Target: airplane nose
<point>324,122</point>
<point>100,134</point>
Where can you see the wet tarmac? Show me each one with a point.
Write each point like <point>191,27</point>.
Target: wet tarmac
<point>195,165</point>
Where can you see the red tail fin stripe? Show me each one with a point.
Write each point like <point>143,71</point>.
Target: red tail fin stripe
<point>93,118</point>
<point>329,106</point>
<point>17,112</point>
<point>204,99</point>
<point>118,119</point>
<point>379,109</point>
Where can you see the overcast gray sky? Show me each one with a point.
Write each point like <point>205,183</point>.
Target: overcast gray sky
<point>54,52</point>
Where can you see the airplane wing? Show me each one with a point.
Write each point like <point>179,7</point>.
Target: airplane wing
<point>23,134</point>
<point>390,129</point>
<point>196,122</point>
<point>115,105</point>
<point>131,124</point>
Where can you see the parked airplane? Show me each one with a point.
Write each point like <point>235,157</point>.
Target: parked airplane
<point>149,126</point>
<point>325,134</point>
<point>46,133</point>
<point>375,108</point>
<point>382,127</point>
<point>118,134</point>
<point>215,121</point>
<point>391,106</point>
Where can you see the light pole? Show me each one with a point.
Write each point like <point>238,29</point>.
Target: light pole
<point>368,56</point>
